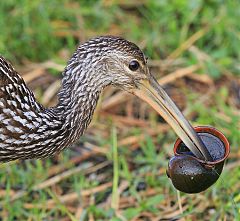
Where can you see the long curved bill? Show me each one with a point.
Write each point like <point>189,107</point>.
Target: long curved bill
<point>151,92</point>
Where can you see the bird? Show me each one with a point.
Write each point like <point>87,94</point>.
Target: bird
<point>29,130</point>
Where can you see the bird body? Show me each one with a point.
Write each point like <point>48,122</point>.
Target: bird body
<point>29,130</point>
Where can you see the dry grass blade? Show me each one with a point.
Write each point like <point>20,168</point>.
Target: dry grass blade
<point>203,78</point>
<point>189,42</point>
<point>128,121</point>
<point>51,92</point>
<point>60,167</point>
<point>182,72</point>
<point>36,73</point>
<point>71,197</point>
<point>114,100</point>
<point>53,180</point>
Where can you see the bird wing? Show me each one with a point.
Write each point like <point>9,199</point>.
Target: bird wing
<point>13,89</point>
<point>19,112</point>
<point>25,126</point>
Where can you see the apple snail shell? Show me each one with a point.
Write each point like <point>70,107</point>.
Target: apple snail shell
<point>192,175</point>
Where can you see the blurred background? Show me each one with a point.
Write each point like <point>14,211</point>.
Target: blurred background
<point>193,49</point>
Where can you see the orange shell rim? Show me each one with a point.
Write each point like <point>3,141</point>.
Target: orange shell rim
<point>213,131</point>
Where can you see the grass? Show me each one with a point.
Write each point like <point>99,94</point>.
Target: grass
<point>93,180</point>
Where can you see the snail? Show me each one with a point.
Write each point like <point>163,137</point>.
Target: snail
<point>192,175</point>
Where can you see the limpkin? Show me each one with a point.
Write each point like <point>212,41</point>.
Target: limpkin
<point>29,130</point>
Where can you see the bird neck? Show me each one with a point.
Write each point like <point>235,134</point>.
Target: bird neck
<point>75,109</point>
<point>82,84</point>
<point>84,78</point>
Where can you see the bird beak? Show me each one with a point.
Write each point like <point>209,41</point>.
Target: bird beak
<point>150,91</point>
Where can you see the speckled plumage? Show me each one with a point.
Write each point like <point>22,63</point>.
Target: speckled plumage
<point>28,130</point>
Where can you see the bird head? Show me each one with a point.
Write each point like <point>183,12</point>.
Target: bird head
<point>128,70</point>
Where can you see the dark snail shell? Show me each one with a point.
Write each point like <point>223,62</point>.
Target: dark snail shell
<point>192,175</point>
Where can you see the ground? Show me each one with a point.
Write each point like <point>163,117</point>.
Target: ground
<point>117,169</point>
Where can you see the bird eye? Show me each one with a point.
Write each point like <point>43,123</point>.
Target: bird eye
<point>133,65</point>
